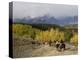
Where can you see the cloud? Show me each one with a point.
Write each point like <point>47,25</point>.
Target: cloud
<point>24,9</point>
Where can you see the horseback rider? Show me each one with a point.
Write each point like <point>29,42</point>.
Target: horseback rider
<point>62,45</point>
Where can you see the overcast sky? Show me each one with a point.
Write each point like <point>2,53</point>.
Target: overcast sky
<point>24,9</point>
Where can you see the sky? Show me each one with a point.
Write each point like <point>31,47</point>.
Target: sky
<point>26,9</point>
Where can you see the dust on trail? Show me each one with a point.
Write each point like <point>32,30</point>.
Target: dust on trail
<point>52,51</point>
<point>43,50</point>
<point>24,48</point>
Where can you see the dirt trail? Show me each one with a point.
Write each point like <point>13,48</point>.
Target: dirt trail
<point>43,50</point>
<point>51,51</point>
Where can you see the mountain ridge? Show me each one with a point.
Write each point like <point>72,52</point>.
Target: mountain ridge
<point>48,20</point>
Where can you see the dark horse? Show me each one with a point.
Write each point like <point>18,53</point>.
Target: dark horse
<point>60,45</point>
<point>57,45</point>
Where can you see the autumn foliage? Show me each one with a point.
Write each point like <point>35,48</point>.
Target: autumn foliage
<point>50,34</point>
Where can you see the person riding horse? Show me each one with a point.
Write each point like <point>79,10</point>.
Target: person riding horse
<point>60,45</point>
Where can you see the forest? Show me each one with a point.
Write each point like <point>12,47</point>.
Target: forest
<point>46,32</point>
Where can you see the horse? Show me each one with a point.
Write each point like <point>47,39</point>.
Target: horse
<point>60,45</point>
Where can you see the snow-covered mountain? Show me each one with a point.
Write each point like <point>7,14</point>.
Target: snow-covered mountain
<point>48,20</point>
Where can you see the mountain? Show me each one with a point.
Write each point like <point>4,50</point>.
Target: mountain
<point>38,20</point>
<point>45,20</point>
<point>68,20</point>
<point>48,20</point>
